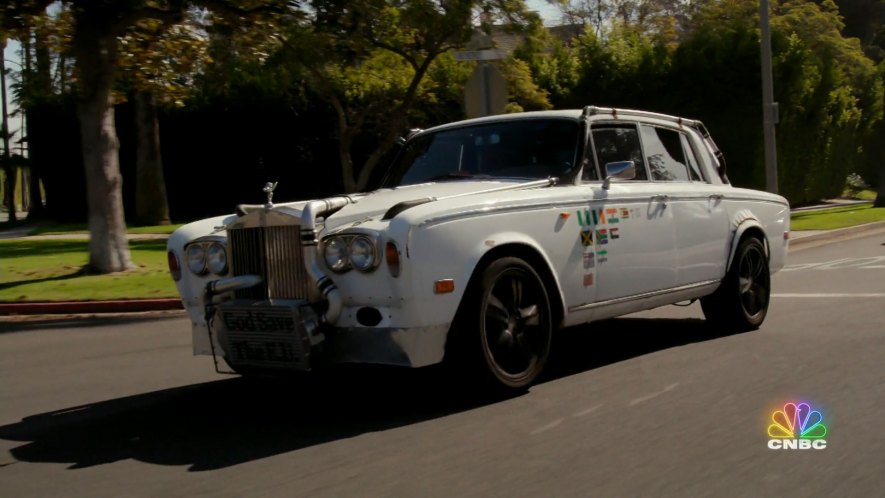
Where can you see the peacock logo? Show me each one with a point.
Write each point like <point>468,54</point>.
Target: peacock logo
<point>797,426</point>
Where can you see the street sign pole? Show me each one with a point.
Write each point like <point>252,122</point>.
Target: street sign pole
<point>486,91</point>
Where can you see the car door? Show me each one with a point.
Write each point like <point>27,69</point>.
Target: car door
<point>699,215</point>
<point>630,230</point>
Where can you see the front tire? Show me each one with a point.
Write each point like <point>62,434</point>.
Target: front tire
<point>741,301</point>
<point>505,325</point>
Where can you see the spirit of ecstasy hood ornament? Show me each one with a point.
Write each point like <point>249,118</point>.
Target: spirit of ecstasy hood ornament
<point>268,189</point>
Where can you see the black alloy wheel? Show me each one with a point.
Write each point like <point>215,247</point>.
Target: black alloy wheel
<point>754,281</point>
<point>514,322</point>
<point>741,301</point>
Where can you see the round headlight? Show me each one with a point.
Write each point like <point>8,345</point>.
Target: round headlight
<point>335,254</point>
<point>216,258</point>
<point>196,259</point>
<point>362,253</point>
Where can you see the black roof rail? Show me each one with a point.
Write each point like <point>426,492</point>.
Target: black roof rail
<point>720,157</point>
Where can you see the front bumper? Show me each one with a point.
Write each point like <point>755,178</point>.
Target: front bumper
<point>279,335</point>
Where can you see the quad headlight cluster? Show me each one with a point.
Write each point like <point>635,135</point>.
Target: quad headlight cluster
<point>343,252</point>
<point>203,257</point>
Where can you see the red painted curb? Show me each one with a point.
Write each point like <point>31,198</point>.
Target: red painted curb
<point>122,306</point>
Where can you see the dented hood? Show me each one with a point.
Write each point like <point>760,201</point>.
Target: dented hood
<point>374,204</point>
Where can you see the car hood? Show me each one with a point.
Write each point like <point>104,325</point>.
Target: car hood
<point>374,204</point>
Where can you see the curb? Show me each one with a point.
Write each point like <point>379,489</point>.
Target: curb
<point>834,205</point>
<point>75,307</point>
<point>839,233</point>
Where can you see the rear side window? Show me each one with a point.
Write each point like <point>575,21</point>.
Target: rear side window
<point>615,143</point>
<point>666,159</point>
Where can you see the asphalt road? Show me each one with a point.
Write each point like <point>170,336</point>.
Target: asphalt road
<point>652,404</point>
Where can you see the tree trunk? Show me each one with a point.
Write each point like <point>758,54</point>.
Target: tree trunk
<point>26,198</point>
<point>8,168</point>
<point>151,205</point>
<point>880,195</point>
<point>35,116</point>
<point>95,50</point>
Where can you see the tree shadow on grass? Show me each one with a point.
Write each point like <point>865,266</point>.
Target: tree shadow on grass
<point>227,422</point>
<point>77,272</point>
<point>20,248</point>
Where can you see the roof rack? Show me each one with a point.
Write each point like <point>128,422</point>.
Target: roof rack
<point>616,113</point>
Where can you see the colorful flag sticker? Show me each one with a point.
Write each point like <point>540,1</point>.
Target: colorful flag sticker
<point>588,280</point>
<point>625,214</point>
<point>612,215</point>
<point>584,218</point>
<point>614,233</point>
<point>601,256</point>
<point>586,238</point>
<point>589,260</point>
<point>602,236</point>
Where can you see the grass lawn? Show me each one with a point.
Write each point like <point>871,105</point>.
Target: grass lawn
<point>836,218</point>
<point>61,228</point>
<point>51,270</point>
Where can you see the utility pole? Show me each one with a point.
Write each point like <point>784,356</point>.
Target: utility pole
<point>769,106</point>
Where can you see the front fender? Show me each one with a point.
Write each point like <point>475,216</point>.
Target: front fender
<point>458,257</point>
<point>190,286</point>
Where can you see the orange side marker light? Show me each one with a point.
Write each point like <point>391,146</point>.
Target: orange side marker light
<point>444,286</point>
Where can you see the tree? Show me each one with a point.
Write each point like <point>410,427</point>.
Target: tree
<point>8,168</point>
<point>668,19</point>
<point>97,25</point>
<point>158,63</point>
<point>369,60</point>
<point>36,94</point>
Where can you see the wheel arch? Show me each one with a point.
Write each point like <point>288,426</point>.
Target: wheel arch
<point>749,226</point>
<point>537,261</point>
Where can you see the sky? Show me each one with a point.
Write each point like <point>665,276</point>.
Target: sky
<point>549,12</point>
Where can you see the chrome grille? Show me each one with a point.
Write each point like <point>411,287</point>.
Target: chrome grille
<point>275,254</point>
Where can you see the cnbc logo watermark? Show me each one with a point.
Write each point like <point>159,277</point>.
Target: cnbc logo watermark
<point>797,427</point>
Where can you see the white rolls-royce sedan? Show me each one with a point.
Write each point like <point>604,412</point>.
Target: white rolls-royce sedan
<point>486,236</point>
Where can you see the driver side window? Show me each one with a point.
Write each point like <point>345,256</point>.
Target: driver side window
<point>614,143</point>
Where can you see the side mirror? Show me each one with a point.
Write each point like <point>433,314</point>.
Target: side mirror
<point>621,170</point>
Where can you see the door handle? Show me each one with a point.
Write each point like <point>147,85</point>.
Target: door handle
<point>661,198</point>
<point>716,197</point>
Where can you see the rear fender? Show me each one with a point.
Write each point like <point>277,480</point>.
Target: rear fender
<point>746,222</point>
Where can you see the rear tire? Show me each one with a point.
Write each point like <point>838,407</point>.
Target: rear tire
<point>741,301</point>
<point>503,331</point>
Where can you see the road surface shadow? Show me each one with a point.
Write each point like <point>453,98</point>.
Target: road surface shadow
<point>585,347</point>
<point>236,420</point>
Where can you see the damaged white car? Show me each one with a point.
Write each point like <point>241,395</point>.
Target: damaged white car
<point>487,236</point>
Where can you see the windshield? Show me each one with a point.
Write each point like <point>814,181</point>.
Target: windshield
<point>525,148</point>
